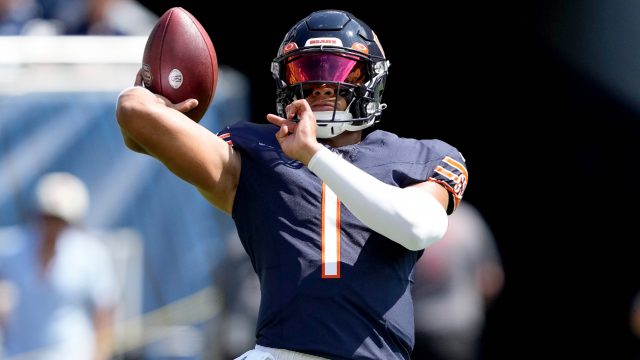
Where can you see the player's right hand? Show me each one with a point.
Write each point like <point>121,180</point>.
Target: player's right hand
<point>297,139</point>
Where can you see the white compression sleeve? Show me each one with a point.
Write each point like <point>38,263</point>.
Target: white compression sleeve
<point>411,217</point>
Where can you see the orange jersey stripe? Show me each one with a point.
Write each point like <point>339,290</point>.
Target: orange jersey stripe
<point>456,165</point>
<point>446,173</point>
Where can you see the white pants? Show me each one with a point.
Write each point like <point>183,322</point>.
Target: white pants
<point>266,353</point>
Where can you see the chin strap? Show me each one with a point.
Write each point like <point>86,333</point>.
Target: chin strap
<point>328,115</point>
<point>330,129</point>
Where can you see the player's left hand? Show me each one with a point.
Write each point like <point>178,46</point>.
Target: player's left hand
<point>297,139</point>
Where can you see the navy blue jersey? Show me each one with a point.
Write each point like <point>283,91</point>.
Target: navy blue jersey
<point>363,309</point>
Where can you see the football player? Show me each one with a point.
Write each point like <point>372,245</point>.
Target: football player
<point>332,220</point>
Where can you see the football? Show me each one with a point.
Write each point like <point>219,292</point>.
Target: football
<point>179,61</point>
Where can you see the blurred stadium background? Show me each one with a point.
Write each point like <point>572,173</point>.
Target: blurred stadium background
<point>541,97</point>
<point>57,95</point>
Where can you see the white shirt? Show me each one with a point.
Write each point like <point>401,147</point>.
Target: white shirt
<point>53,313</point>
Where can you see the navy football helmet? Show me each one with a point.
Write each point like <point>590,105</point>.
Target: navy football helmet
<point>334,48</point>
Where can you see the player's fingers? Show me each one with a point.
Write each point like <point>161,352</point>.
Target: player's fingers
<point>186,105</point>
<point>275,119</point>
<point>138,81</point>
<point>282,122</point>
<point>299,106</point>
<point>291,111</point>
<point>283,132</point>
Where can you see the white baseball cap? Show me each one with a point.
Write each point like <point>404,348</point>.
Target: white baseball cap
<point>62,195</point>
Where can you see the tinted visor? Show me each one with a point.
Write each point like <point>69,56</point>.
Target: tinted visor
<point>325,67</point>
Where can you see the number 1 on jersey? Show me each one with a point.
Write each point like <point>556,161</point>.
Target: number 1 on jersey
<point>330,234</point>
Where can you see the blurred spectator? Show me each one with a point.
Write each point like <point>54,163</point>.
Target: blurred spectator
<point>80,17</point>
<point>57,283</point>
<point>16,14</point>
<point>456,278</point>
<point>75,17</point>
